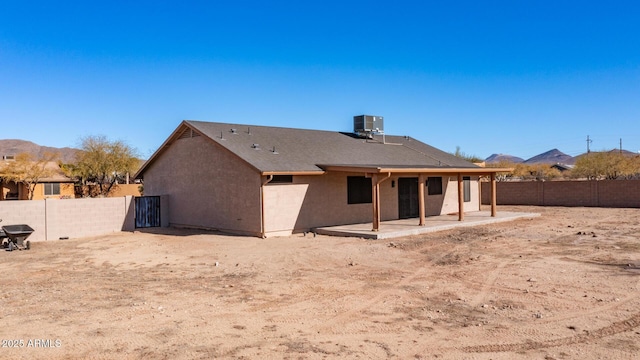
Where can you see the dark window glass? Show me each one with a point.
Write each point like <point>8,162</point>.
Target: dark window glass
<point>358,190</point>
<point>434,185</point>
<point>52,189</point>
<point>281,179</point>
<point>466,182</point>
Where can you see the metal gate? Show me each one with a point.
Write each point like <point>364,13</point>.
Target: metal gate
<point>147,211</point>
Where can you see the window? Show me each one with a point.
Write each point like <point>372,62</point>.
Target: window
<point>280,179</point>
<point>358,190</point>
<point>434,185</point>
<point>52,188</point>
<point>466,182</point>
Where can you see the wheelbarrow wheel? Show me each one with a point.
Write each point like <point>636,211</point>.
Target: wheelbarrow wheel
<point>10,246</point>
<point>27,245</point>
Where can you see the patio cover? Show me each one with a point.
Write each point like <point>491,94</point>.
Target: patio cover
<point>380,173</point>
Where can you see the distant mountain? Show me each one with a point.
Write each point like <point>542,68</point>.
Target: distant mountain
<point>550,157</point>
<point>554,156</point>
<point>624,152</point>
<point>496,158</point>
<point>14,147</point>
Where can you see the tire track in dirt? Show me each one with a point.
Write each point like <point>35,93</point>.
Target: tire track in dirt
<point>307,294</point>
<point>349,314</point>
<point>361,328</point>
<point>541,299</point>
<point>613,329</point>
<point>593,310</point>
<point>544,299</point>
<point>286,320</point>
<point>533,343</point>
<point>488,284</point>
<point>538,338</point>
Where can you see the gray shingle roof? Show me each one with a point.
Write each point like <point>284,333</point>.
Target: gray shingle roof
<point>276,149</point>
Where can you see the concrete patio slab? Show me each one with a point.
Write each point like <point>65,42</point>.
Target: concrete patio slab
<point>405,227</point>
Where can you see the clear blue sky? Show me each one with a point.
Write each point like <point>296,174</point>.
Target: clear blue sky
<point>516,77</point>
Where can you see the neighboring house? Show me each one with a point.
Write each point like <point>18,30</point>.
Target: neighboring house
<point>270,181</point>
<point>562,167</point>
<point>55,186</point>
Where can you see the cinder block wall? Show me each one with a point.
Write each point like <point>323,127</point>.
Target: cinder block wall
<point>30,212</point>
<point>85,217</point>
<point>603,193</point>
<point>73,218</point>
<point>612,194</point>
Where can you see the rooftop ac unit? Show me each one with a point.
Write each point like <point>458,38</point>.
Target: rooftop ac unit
<point>368,124</point>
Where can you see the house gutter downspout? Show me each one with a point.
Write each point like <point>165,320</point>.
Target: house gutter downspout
<point>263,232</point>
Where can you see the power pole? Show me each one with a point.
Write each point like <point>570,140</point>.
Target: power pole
<point>620,145</point>
<point>589,141</point>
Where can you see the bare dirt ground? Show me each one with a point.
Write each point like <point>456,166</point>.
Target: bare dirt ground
<point>561,286</point>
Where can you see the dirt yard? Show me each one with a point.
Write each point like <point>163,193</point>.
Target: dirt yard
<point>561,286</point>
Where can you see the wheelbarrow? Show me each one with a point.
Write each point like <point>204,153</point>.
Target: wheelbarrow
<point>16,236</point>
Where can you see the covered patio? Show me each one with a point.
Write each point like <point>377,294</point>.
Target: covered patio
<point>406,227</point>
<point>381,173</point>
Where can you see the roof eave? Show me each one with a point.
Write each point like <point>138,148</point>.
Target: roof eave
<point>309,172</point>
<point>413,170</point>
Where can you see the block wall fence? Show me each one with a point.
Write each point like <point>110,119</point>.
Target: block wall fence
<point>52,219</point>
<point>601,193</point>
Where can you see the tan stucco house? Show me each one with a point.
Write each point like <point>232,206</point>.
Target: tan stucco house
<point>271,181</point>
<point>55,186</point>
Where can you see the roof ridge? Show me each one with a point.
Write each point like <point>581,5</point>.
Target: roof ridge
<point>259,126</point>
<point>427,155</point>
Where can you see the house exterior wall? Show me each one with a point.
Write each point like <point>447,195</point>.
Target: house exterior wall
<point>9,190</point>
<point>10,187</point>
<point>118,190</point>
<point>207,187</point>
<point>434,203</point>
<point>125,190</point>
<point>283,204</point>
<point>321,200</point>
<point>450,197</point>
<point>66,191</point>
